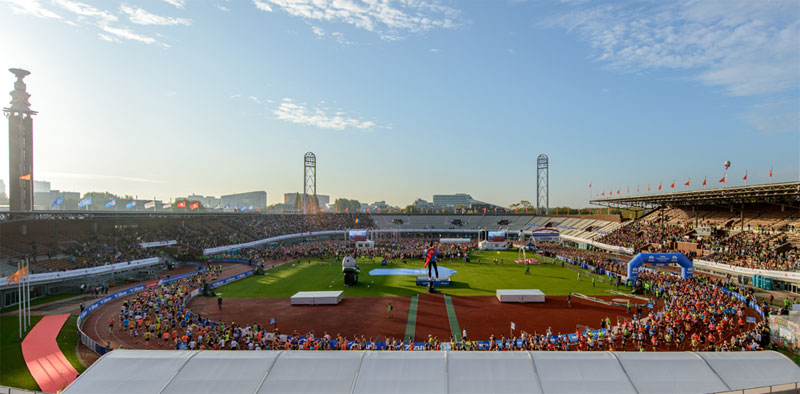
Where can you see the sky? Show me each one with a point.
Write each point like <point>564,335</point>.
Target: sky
<point>402,99</point>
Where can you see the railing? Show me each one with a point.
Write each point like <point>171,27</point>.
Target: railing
<point>776,388</point>
<point>72,274</point>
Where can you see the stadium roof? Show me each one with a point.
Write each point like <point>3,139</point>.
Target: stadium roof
<point>787,193</point>
<point>175,372</point>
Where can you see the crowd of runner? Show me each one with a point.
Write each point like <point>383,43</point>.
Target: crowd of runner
<point>689,314</point>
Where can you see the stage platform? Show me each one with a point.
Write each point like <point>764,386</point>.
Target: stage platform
<point>440,281</point>
<point>317,298</point>
<point>520,295</point>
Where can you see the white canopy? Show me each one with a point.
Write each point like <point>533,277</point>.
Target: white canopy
<point>166,371</point>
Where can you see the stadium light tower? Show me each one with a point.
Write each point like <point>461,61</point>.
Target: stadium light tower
<point>20,145</point>
<point>542,185</point>
<point>309,181</point>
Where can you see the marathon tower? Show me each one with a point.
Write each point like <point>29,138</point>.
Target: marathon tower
<point>20,146</point>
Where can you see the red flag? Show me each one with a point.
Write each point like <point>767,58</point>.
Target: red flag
<point>628,191</point>
<point>723,179</point>
<point>672,185</point>
<point>648,187</point>
<point>590,185</point>
<point>603,193</point>
<point>194,206</point>
<point>618,191</point>
<point>745,175</point>
<point>704,181</point>
<point>687,182</point>
<point>659,186</point>
<point>181,204</point>
<point>770,171</point>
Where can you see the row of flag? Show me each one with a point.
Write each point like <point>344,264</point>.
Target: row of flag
<point>85,202</point>
<point>672,185</point>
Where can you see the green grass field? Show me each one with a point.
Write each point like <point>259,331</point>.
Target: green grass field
<point>472,279</point>
<point>14,372</point>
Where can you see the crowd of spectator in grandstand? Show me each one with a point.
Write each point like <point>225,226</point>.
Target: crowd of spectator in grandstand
<point>756,250</point>
<point>643,235</point>
<point>122,244</point>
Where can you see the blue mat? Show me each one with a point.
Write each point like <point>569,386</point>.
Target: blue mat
<point>443,272</point>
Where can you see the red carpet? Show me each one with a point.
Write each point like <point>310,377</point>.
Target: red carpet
<point>47,364</point>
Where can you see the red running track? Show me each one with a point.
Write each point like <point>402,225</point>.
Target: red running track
<point>47,364</point>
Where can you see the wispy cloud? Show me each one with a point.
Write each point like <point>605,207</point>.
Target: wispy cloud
<point>106,37</point>
<point>254,99</point>
<point>390,19</point>
<point>80,175</point>
<point>223,8</point>
<point>86,11</point>
<point>318,31</point>
<point>176,3</point>
<point>434,50</point>
<point>293,112</point>
<point>262,5</point>
<point>775,117</point>
<point>142,17</point>
<point>31,7</point>
<point>746,47</point>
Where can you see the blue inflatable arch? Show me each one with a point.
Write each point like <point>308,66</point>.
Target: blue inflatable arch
<point>660,260</point>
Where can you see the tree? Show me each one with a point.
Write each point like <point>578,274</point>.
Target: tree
<point>523,205</point>
<point>343,205</point>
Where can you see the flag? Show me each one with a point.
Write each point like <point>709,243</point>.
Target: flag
<point>603,193</point>
<point>228,206</point>
<point>704,181</point>
<point>628,191</point>
<point>687,182</point>
<point>590,185</point>
<point>618,191</point>
<point>194,206</point>
<point>111,203</point>
<point>16,276</point>
<point>84,202</point>
<point>770,171</point>
<point>659,186</point>
<point>672,185</point>
<point>181,204</point>
<point>242,209</point>
<point>149,204</point>
<point>273,320</point>
<point>250,208</point>
<point>745,175</point>
<point>637,188</point>
<point>27,177</point>
<point>648,187</point>
<point>130,204</point>
<point>57,202</point>
<point>723,179</point>
<point>513,326</point>
<point>167,206</point>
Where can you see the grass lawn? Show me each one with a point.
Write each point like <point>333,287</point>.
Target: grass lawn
<point>472,279</point>
<point>42,300</point>
<point>14,371</point>
<point>68,343</point>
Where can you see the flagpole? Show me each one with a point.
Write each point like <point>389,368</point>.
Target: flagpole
<point>28,292</point>
<point>19,299</point>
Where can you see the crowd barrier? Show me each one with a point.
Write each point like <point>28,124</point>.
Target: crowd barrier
<point>782,275</point>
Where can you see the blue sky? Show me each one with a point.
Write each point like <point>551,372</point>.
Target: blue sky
<point>404,99</point>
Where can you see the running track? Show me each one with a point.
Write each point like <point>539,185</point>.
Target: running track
<point>47,364</point>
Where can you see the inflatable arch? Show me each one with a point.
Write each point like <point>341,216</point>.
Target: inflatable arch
<point>660,260</point>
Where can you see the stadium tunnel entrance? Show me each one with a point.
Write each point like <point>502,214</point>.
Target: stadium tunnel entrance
<point>660,260</point>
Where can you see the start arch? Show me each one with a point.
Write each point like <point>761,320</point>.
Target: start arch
<point>660,260</point>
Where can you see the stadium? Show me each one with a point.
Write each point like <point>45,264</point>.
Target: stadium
<point>236,281</point>
<point>156,237</point>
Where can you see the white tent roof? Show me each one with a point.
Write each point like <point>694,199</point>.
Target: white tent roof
<point>160,371</point>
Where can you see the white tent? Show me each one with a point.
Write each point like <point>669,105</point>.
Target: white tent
<point>160,371</point>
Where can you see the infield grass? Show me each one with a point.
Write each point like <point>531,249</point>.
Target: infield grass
<point>472,279</point>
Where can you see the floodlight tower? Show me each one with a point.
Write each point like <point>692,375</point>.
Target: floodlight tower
<point>309,180</point>
<point>20,145</point>
<point>542,185</point>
